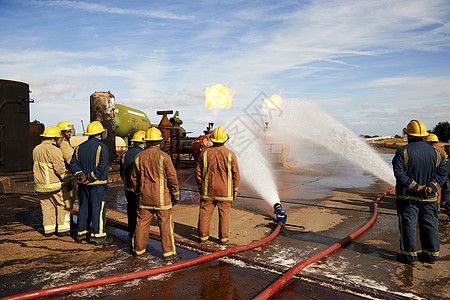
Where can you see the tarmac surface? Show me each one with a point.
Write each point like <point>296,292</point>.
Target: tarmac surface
<point>330,203</point>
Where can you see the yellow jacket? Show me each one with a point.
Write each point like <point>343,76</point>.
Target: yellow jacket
<point>67,151</point>
<point>49,170</point>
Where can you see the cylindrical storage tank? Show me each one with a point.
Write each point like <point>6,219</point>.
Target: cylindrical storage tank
<point>15,150</point>
<point>102,110</point>
<point>129,121</point>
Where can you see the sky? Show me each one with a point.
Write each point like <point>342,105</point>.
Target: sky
<point>373,65</point>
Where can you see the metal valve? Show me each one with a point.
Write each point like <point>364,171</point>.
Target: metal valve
<point>280,214</point>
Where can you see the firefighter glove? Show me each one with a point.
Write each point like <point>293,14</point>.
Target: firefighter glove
<point>82,179</point>
<point>175,201</point>
<point>424,191</point>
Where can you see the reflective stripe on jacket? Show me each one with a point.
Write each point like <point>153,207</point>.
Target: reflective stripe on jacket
<point>417,163</point>
<point>91,159</point>
<point>48,169</point>
<point>126,165</point>
<point>218,173</point>
<point>154,179</point>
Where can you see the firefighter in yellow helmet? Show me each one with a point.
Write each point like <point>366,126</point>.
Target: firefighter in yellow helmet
<point>218,178</point>
<point>155,183</point>
<point>89,165</point>
<point>126,165</point>
<point>419,171</point>
<point>67,151</point>
<point>433,141</point>
<point>49,174</point>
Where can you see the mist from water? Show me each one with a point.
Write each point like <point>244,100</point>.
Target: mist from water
<point>303,121</point>
<point>254,168</point>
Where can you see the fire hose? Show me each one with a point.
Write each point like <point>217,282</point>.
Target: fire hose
<point>297,268</point>
<point>143,273</point>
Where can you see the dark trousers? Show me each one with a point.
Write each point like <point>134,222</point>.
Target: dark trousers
<point>92,200</point>
<point>409,213</point>
<point>131,211</point>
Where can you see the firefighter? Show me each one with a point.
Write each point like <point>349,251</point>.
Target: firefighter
<point>67,152</point>
<point>217,175</point>
<point>433,141</point>
<point>155,182</point>
<point>126,164</point>
<point>49,174</point>
<point>419,171</point>
<point>89,165</point>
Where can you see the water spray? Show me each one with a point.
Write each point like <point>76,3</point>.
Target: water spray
<point>280,214</point>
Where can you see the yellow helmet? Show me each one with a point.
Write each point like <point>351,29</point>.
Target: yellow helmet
<point>94,128</point>
<point>432,138</point>
<point>52,131</point>
<point>64,125</point>
<point>139,136</point>
<point>416,128</point>
<point>219,135</point>
<point>153,134</point>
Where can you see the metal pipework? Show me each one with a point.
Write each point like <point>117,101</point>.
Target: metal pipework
<point>280,214</point>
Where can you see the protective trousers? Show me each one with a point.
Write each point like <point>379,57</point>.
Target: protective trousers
<point>409,213</point>
<point>54,213</point>
<point>165,223</point>
<point>92,200</point>
<point>131,211</point>
<point>204,219</point>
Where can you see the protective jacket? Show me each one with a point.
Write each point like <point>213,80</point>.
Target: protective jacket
<point>217,174</point>
<point>417,163</point>
<point>126,165</point>
<point>441,151</point>
<point>91,159</point>
<point>154,179</point>
<point>49,170</point>
<point>67,151</point>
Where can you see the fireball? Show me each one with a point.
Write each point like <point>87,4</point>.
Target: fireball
<point>271,104</point>
<point>218,97</point>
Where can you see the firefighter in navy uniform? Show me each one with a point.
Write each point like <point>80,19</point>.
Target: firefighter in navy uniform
<point>49,174</point>
<point>218,178</point>
<point>67,152</point>
<point>89,166</point>
<point>420,172</point>
<point>154,180</point>
<point>126,165</point>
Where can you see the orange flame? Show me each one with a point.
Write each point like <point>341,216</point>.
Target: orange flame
<point>272,104</point>
<point>218,97</point>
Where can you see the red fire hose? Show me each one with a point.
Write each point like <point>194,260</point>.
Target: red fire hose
<point>297,268</point>
<point>143,273</point>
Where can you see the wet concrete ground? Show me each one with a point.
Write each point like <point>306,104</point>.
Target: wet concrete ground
<point>366,267</point>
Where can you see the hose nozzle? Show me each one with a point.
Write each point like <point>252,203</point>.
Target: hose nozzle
<point>280,214</point>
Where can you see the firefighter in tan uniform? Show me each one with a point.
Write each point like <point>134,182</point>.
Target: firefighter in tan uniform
<point>49,174</point>
<point>154,180</point>
<point>218,178</point>
<point>433,141</point>
<point>67,152</point>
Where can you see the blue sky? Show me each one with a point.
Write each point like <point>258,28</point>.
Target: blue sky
<point>374,65</point>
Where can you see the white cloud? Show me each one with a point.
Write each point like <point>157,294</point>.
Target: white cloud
<point>113,10</point>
